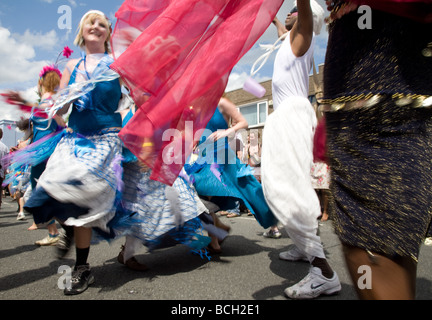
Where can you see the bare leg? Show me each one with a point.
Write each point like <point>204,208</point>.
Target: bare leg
<point>21,204</point>
<point>325,205</point>
<point>82,237</point>
<point>214,246</point>
<point>391,279</point>
<point>219,223</point>
<point>52,229</point>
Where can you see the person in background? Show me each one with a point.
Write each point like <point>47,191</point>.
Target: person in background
<point>219,174</point>
<point>48,84</point>
<point>4,150</point>
<point>18,180</point>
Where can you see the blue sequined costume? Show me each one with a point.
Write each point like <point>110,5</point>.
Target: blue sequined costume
<point>233,180</point>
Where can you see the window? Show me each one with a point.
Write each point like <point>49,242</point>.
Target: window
<point>255,113</point>
<point>312,99</point>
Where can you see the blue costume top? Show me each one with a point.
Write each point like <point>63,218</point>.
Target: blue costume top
<point>41,128</point>
<point>100,105</point>
<point>217,122</point>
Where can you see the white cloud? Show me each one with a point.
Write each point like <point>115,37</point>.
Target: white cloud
<point>38,40</point>
<point>72,3</point>
<point>30,94</point>
<point>20,68</point>
<point>17,55</point>
<point>9,112</point>
<point>236,81</point>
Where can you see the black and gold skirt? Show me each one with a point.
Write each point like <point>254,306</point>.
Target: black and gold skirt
<point>381,171</point>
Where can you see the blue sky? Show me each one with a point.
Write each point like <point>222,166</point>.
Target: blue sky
<point>32,35</point>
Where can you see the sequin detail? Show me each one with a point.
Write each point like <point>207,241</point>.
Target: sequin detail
<point>385,60</point>
<point>381,173</point>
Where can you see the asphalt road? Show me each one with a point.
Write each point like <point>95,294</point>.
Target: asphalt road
<point>248,269</point>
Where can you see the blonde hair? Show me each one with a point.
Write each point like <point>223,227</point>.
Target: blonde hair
<point>92,16</point>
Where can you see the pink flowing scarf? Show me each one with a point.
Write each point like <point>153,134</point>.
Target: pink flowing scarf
<point>419,10</point>
<point>175,57</point>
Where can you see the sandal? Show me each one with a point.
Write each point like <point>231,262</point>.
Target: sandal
<point>131,263</point>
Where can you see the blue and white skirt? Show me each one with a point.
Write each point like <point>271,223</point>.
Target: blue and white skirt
<point>80,182</point>
<point>163,215</point>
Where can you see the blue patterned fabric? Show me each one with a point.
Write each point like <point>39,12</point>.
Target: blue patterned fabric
<point>155,213</point>
<point>41,128</point>
<point>128,156</point>
<point>164,215</point>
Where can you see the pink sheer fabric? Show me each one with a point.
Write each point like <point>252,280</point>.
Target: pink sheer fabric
<point>175,57</point>
<point>419,10</point>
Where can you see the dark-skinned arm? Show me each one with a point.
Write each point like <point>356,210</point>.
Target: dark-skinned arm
<point>302,31</point>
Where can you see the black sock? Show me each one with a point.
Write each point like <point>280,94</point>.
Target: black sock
<point>321,263</point>
<point>69,230</point>
<point>81,256</point>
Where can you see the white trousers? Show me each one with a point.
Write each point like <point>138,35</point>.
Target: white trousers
<point>285,173</point>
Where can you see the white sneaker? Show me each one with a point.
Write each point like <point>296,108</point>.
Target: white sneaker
<point>21,216</point>
<point>428,241</point>
<point>293,254</point>
<point>314,285</point>
<point>275,234</point>
<point>49,240</point>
